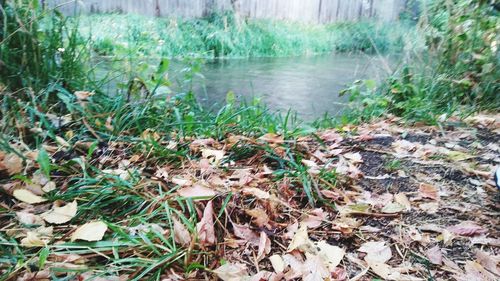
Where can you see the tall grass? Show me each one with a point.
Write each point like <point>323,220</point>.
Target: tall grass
<point>39,47</point>
<point>226,35</point>
<point>455,72</point>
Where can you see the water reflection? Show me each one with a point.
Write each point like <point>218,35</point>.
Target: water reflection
<point>308,85</point>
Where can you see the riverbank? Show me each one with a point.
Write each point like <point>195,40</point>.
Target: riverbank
<point>225,35</point>
<point>380,199</point>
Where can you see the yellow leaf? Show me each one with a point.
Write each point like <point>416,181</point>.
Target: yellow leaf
<point>59,215</point>
<point>92,231</point>
<point>27,196</point>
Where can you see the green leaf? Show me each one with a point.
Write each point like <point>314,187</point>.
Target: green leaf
<point>42,257</point>
<point>43,160</point>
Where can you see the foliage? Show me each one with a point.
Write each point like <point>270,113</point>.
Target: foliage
<point>457,71</point>
<point>227,35</point>
<point>39,48</point>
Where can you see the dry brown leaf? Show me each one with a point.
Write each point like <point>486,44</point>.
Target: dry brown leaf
<point>475,272</point>
<point>385,271</point>
<point>272,138</point>
<point>197,191</point>
<point>489,262</point>
<point>329,254</point>
<point>354,158</point>
<point>29,218</point>
<point>376,252</point>
<point>244,232</point>
<point>467,228</point>
<point>259,217</point>
<point>314,269</point>
<point>27,196</point>
<point>232,272</point>
<point>181,234</point>
<point>402,199</point>
<point>60,215</point>
<point>393,208</point>
<point>264,246</point>
<point>33,239</point>
<point>37,238</point>
<point>13,163</point>
<point>428,191</point>
<point>277,263</point>
<point>435,255</point>
<point>92,231</point>
<point>429,208</point>
<point>205,228</point>
<point>259,193</point>
<point>215,156</point>
<point>314,218</point>
<point>301,241</point>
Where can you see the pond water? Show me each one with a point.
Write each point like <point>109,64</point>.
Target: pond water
<point>308,85</point>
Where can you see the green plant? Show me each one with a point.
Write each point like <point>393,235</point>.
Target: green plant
<point>457,71</point>
<point>39,47</point>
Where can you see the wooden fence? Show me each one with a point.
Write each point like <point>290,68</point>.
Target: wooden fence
<point>313,11</point>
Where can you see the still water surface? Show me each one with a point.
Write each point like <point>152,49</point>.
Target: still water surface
<point>309,85</point>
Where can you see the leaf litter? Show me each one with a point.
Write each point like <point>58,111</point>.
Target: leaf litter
<point>379,200</point>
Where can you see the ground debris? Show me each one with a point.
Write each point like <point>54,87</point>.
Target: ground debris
<point>378,200</point>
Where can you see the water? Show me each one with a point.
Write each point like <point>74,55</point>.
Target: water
<point>309,85</point>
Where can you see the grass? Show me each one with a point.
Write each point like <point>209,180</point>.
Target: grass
<point>456,72</point>
<point>224,35</point>
<point>73,136</point>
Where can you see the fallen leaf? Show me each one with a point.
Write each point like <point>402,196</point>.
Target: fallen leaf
<point>244,232</point>
<point>259,193</point>
<point>38,237</point>
<point>215,156</point>
<point>385,271</point>
<point>92,231</point>
<point>13,163</point>
<point>180,181</point>
<point>483,240</point>
<point>259,217</point>
<point>475,272</point>
<point>354,158</point>
<point>434,255</point>
<point>428,191</point>
<point>60,215</point>
<point>429,208</point>
<point>488,261</point>
<point>393,208</point>
<point>329,254</point>
<point>33,239</point>
<point>27,196</point>
<point>264,246</point>
<point>402,199</point>
<point>197,191</point>
<point>181,234</point>
<point>301,241</point>
<point>314,218</point>
<point>376,252</point>
<point>29,218</point>
<point>467,228</point>
<point>205,228</point>
<point>272,138</point>
<point>314,269</point>
<point>232,272</point>
<point>48,187</point>
<point>277,263</point>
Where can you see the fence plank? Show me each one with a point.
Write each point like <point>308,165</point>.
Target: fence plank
<point>312,11</point>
